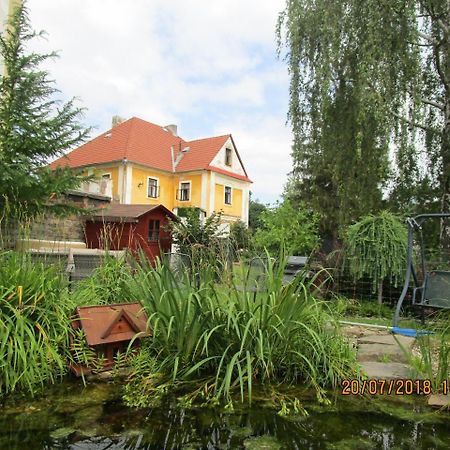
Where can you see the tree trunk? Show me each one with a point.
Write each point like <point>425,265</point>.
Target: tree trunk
<point>380,292</point>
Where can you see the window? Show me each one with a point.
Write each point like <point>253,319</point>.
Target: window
<point>106,176</point>
<point>153,230</point>
<point>227,195</point>
<point>184,193</point>
<point>228,156</point>
<point>152,188</point>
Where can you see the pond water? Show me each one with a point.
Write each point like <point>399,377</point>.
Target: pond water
<point>71,416</point>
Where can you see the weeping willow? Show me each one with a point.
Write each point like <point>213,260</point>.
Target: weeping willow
<point>376,247</point>
<point>369,87</point>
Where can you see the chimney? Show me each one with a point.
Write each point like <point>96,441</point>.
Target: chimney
<point>116,120</point>
<point>172,128</point>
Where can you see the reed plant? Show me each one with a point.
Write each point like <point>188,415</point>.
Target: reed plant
<point>106,285</point>
<point>34,323</point>
<point>433,361</point>
<point>214,340</point>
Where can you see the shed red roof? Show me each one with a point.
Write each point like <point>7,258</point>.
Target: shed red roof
<point>118,212</point>
<point>99,322</point>
<point>142,142</point>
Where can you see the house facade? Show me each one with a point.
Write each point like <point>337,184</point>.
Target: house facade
<point>137,162</point>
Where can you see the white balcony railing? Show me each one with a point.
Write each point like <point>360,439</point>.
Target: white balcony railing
<point>102,187</point>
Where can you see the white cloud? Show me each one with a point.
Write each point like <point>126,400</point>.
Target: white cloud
<point>172,61</point>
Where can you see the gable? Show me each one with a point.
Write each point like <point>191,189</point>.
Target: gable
<point>111,323</point>
<point>219,160</point>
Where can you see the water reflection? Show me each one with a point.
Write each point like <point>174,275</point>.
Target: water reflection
<point>109,425</point>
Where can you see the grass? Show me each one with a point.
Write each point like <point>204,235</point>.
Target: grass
<point>433,361</point>
<point>34,323</point>
<point>213,342</point>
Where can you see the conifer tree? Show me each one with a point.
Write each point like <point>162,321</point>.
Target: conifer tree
<point>35,126</point>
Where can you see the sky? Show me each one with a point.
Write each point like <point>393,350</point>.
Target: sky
<point>210,67</point>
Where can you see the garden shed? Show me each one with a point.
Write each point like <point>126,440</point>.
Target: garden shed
<point>108,330</point>
<point>135,227</point>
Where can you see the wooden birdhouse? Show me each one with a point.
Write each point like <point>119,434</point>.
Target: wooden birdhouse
<point>108,330</point>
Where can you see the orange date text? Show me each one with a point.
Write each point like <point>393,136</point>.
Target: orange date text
<point>390,387</point>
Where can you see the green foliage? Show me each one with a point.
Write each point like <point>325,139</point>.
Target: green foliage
<point>376,246</point>
<point>240,236</point>
<point>107,284</point>
<point>254,214</point>
<point>289,226</point>
<point>203,241</point>
<point>194,230</point>
<point>211,341</point>
<point>433,362</point>
<point>34,323</point>
<point>366,75</point>
<point>34,126</point>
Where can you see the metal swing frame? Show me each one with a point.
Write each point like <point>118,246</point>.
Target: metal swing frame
<point>428,293</point>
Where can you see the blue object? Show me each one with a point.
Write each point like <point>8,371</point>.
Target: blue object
<point>410,332</point>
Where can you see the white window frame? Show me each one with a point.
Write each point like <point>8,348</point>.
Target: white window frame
<point>225,195</point>
<point>157,186</point>
<point>190,190</point>
<point>107,173</point>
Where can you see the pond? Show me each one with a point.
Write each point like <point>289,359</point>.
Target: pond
<point>71,416</point>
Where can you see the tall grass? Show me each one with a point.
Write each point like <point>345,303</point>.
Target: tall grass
<point>433,361</point>
<point>34,323</point>
<point>106,285</point>
<point>216,340</point>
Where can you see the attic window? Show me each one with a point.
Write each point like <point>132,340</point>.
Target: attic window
<point>228,156</point>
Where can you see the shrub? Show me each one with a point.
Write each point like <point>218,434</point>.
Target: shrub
<point>294,228</point>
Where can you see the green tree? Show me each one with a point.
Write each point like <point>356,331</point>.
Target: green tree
<point>366,74</point>
<point>34,126</point>
<point>376,247</point>
<point>240,235</point>
<point>254,214</point>
<point>289,226</point>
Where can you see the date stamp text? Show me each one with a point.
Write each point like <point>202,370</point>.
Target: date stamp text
<point>391,387</point>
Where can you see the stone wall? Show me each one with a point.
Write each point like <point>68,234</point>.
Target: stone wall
<point>49,227</point>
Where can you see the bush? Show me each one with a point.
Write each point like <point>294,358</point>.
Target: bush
<point>294,228</point>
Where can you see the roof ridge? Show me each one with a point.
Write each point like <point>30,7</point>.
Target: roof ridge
<point>211,137</point>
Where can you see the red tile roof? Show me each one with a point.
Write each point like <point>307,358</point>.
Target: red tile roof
<point>142,142</point>
<point>201,153</point>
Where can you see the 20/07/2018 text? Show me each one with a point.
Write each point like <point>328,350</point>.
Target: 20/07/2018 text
<point>395,387</point>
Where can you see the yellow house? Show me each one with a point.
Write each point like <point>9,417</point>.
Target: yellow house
<point>138,162</point>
